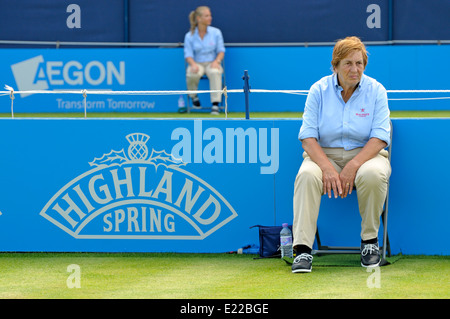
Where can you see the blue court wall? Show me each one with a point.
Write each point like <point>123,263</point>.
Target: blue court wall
<point>250,21</point>
<point>162,69</point>
<point>118,185</point>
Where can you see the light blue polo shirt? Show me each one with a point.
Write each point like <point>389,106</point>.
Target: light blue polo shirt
<point>205,50</point>
<point>335,123</point>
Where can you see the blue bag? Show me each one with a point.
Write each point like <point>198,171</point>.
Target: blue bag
<point>269,241</point>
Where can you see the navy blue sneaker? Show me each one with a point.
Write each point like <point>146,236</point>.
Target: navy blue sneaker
<point>370,255</point>
<point>196,103</point>
<point>302,263</point>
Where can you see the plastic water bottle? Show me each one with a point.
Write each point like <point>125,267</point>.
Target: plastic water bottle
<point>286,242</point>
<point>181,103</point>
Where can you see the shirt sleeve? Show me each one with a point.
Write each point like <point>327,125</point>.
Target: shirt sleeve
<point>310,125</point>
<point>220,43</point>
<point>188,50</point>
<point>381,127</point>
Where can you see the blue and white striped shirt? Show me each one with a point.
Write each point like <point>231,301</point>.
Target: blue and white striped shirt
<point>335,123</point>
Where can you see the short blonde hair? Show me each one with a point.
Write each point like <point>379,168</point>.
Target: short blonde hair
<point>344,46</point>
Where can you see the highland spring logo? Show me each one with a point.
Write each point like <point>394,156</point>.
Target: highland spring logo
<point>138,194</point>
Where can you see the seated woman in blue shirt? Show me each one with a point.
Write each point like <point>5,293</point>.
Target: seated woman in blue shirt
<point>204,51</point>
<point>344,132</point>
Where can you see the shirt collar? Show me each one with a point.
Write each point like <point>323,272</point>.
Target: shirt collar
<point>339,88</point>
<point>196,30</point>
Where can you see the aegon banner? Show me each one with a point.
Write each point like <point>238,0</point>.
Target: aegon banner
<point>96,69</point>
<point>164,70</point>
<point>135,185</point>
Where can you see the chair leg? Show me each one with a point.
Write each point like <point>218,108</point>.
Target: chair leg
<point>322,249</point>
<point>386,246</point>
<point>188,104</point>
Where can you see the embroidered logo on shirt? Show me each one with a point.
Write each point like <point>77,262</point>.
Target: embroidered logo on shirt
<point>363,113</point>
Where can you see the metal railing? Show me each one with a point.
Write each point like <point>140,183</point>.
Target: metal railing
<point>59,44</point>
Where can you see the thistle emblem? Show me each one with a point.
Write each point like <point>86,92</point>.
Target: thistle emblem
<point>137,153</point>
<point>137,149</point>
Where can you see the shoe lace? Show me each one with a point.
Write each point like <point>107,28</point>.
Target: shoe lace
<point>304,256</point>
<point>370,249</point>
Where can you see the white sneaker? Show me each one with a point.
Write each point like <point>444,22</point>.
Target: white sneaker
<point>215,110</point>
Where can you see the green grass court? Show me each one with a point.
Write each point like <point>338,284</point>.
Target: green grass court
<point>218,276</point>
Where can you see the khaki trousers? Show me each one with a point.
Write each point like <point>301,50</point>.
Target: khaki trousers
<point>371,183</point>
<point>214,76</point>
